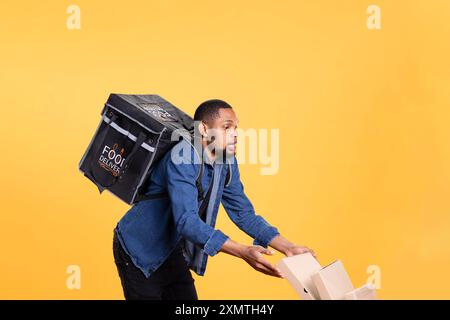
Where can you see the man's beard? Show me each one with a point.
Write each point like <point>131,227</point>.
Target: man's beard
<point>221,155</point>
<point>229,154</point>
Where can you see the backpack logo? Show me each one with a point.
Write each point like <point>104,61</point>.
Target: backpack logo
<point>156,111</point>
<point>111,159</point>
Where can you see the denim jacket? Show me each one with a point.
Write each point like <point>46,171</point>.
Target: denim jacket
<point>151,229</point>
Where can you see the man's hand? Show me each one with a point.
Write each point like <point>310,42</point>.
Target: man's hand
<point>288,248</point>
<point>253,255</point>
<point>294,250</point>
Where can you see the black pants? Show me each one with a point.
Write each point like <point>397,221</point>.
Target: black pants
<point>171,281</point>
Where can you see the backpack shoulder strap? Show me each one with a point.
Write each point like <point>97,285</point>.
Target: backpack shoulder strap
<point>198,183</point>
<point>229,175</point>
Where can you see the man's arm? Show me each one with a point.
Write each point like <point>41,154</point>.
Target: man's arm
<point>253,255</point>
<point>183,195</point>
<point>288,248</point>
<point>241,212</point>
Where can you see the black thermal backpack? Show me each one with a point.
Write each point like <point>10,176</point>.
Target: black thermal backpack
<point>134,133</point>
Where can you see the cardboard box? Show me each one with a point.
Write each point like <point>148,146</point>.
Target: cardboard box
<point>332,282</point>
<point>312,282</point>
<point>366,292</point>
<point>298,270</point>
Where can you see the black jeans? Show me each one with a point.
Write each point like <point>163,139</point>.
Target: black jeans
<point>171,281</point>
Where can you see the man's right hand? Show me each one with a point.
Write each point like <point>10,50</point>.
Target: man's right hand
<point>253,255</point>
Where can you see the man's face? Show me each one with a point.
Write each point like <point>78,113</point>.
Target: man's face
<point>223,130</point>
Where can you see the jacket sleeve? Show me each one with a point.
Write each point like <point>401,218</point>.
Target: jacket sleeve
<point>183,195</point>
<point>241,211</point>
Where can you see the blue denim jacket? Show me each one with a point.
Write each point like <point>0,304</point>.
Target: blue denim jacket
<point>151,229</point>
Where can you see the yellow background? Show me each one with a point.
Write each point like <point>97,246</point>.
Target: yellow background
<point>363,118</point>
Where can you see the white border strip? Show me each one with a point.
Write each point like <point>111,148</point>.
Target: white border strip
<point>127,133</point>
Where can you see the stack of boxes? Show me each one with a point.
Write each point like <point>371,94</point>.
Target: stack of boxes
<point>314,282</point>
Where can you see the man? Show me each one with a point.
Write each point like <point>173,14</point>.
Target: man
<point>158,241</point>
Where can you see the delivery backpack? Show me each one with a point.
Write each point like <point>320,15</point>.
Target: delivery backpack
<point>134,133</point>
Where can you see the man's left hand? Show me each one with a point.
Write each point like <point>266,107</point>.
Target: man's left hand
<point>294,250</point>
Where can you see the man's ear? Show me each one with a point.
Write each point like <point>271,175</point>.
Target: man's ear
<point>202,128</point>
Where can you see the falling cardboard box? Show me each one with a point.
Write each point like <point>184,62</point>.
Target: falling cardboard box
<point>312,282</point>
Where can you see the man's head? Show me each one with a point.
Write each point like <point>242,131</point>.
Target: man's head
<point>216,122</point>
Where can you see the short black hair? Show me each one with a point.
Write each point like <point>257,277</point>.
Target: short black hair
<point>209,110</point>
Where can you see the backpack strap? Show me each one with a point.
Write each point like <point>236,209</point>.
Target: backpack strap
<point>207,197</point>
<point>198,181</point>
<point>198,184</point>
<point>229,175</point>
<point>205,202</point>
<point>101,137</point>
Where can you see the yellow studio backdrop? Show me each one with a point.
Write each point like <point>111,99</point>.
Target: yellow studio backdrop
<point>363,117</point>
